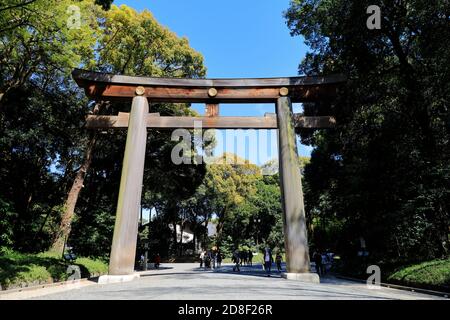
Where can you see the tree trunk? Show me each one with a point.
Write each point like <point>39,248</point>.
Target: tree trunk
<point>205,234</point>
<point>72,197</point>
<point>181,238</point>
<point>194,241</point>
<point>219,227</point>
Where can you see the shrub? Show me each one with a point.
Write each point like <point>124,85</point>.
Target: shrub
<point>430,274</point>
<point>25,269</point>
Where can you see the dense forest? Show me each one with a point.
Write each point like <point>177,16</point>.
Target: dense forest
<point>57,176</point>
<point>383,174</point>
<point>380,177</point>
<point>60,181</point>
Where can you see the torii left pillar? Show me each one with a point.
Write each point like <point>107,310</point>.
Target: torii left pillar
<point>123,250</point>
<point>294,221</point>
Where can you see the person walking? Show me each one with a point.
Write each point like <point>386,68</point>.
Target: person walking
<point>278,260</point>
<point>202,258</point>
<point>214,258</point>
<point>219,259</point>
<point>324,263</point>
<point>268,259</point>
<point>244,257</point>
<point>236,258</point>
<point>142,262</point>
<point>250,257</point>
<point>318,261</point>
<point>208,260</point>
<point>157,261</point>
<point>329,260</point>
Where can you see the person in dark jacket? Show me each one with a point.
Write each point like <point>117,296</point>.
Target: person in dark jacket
<point>219,259</point>
<point>243,254</point>
<point>278,260</point>
<point>236,259</point>
<point>318,261</point>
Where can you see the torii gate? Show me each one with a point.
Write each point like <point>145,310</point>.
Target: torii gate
<point>141,90</point>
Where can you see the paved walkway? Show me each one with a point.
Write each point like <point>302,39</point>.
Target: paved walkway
<point>188,281</point>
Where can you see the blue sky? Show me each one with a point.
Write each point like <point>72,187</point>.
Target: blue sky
<point>238,39</point>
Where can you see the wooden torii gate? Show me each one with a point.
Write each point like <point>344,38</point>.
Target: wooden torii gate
<point>212,92</point>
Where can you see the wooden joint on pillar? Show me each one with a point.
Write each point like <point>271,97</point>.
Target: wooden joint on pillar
<point>212,110</point>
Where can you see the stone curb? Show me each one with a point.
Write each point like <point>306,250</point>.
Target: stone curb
<point>46,285</point>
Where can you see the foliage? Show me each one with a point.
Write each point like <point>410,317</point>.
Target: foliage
<point>135,43</point>
<point>42,114</point>
<point>252,217</point>
<point>91,267</point>
<point>6,226</point>
<point>383,173</point>
<point>230,181</point>
<point>95,237</point>
<point>431,274</point>
<point>42,46</point>
<point>244,205</point>
<point>106,4</point>
<point>17,269</point>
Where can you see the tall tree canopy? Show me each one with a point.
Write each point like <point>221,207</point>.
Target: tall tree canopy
<point>384,173</point>
<point>41,113</point>
<point>46,153</point>
<point>135,43</point>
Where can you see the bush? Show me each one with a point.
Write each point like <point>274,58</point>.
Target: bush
<point>25,269</point>
<point>91,267</point>
<point>431,274</point>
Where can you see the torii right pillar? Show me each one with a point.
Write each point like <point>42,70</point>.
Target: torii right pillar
<point>294,221</point>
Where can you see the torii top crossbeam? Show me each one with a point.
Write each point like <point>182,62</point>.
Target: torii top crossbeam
<point>209,91</point>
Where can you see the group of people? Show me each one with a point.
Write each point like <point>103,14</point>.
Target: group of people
<point>213,259</point>
<point>245,257</point>
<point>210,259</point>
<point>267,258</point>
<point>323,261</point>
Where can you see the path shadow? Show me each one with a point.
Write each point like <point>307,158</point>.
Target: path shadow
<point>255,270</point>
<point>144,274</point>
<point>153,268</point>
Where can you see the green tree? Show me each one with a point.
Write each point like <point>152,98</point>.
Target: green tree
<point>135,43</point>
<point>40,110</point>
<point>229,181</point>
<point>47,157</point>
<point>38,46</point>
<point>384,171</point>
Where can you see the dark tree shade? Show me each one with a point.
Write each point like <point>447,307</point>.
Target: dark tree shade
<point>383,174</point>
<point>106,4</point>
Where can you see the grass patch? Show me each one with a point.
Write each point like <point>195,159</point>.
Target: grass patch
<point>25,269</point>
<point>92,267</point>
<point>431,275</point>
